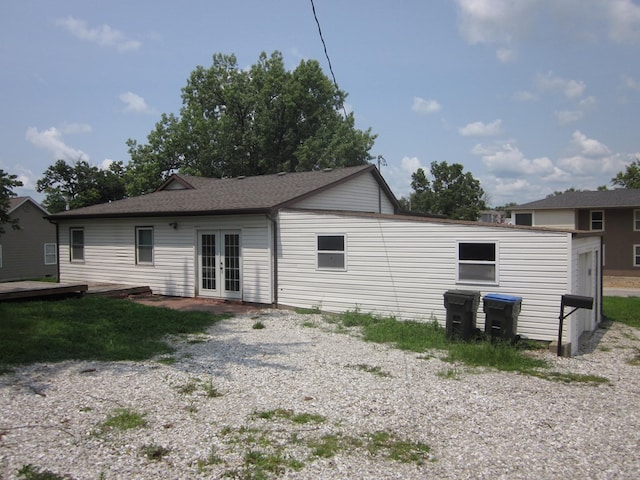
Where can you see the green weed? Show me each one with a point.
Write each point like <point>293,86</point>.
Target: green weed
<point>369,369</point>
<point>123,419</point>
<point>29,472</point>
<point>258,325</point>
<point>154,452</point>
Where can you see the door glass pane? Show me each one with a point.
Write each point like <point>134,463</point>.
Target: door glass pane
<point>208,259</point>
<point>232,262</point>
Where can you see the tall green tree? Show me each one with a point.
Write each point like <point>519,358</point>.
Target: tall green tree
<point>7,183</point>
<point>80,185</point>
<point>255,121</point>
<point>630,177</point>
<point>450,192</point>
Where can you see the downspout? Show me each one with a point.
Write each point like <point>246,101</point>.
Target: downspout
<point>271,216</point>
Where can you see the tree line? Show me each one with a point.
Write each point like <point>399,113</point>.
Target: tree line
<point>255,121</point>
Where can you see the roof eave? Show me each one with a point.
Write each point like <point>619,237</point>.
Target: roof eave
<point>199,213</point>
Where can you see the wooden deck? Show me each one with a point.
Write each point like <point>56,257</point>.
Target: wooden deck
<point>31,290</point>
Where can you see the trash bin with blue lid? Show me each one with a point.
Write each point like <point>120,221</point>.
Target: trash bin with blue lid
<point>501,320</point>
<point>461,306</point>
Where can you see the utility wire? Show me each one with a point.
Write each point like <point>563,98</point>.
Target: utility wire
<point>326,54</point>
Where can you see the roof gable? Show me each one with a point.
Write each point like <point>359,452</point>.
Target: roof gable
<point>17,202</point>
<point>189,195</point>
<point>620,198</point>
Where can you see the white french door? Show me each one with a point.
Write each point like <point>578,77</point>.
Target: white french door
<point>219,264</point>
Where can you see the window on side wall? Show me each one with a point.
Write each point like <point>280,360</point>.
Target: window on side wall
<point>331,252</point>
<point>524,219</point>
<point>477,262</point>
<point>597,219</point>
<point>636,220</point>
<point>144,245</point>
<point>76,236</point>
<point>636,255</point>
<point>50,254</point>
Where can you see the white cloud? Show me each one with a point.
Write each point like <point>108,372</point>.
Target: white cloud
<point>51,140</point>
<point>135,103</point>
<point>506,55</point>
<point>630,83</point>
<point>552,83</point>
<point>565,117</point>
<point>105,36</point>
<point>489,21</point>
<point>422,106</point>
<point>588,102</point>
<point>591,157</point>
<point>624,18</point>
<point>525,96</point>
<point>508,161</point>
<point>588,146</point>
<point>480,129</point>
<point>410,164</point>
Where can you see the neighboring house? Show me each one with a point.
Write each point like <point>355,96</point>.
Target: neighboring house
<point>614,213</point>
<point>493,216</point>
<point>30,251</point>
<point>332,239</point>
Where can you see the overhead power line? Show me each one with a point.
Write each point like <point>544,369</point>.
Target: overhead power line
<point>326,54</point>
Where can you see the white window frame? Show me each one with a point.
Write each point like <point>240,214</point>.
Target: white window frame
<point>139,246</point>
<point>494,263</point>
<point>72,246</point>
<point>636,220</point>
<point>320,253</point>
<point>48,255</point>
<point>636,255</point>
<point>591,220</point>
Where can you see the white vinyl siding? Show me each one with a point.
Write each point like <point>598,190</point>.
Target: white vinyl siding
<point>361,194</point>
<point>110,254</point>
<point>402,267</point>
<point>50,254</point>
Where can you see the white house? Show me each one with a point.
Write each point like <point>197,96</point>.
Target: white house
<point>333,239</point>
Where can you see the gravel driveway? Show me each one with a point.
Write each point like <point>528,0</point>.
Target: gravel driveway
<point>299,400</point>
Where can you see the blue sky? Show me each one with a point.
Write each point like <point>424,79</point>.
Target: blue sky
<point>531,96</point>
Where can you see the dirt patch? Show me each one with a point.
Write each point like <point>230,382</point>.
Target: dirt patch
<point>621,282</point>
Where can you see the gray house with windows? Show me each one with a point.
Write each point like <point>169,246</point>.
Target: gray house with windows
<point>613,213</point>
<point>29,251</point>
<point>332,239</point>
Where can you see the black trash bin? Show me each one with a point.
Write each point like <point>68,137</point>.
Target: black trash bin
<point>501,320</point>
<point>461,306</point>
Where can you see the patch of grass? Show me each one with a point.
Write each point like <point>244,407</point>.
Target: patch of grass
<point>210,390</point>
<point>91,328</point>
<point>326,446</point>
<point>571,378</point>
<point>309,324</point>
<point>258,325</point>
<point>449,374</point>
<point>123,419</point>
<point>154,452</point>
<point>422,337</point>
<point>212,459</point>
<point>400,450</point>
<point>308,311</point>
<point>167,360</point>
<point>299,418</point>
<point>623,310</point>
<point>29,472</point>
<point>635,360</point>
<point>370,369</point>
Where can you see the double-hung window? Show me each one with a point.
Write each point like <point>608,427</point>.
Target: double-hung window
<point>636,220</point>
<point>597,219</point>
<point>331,252</point>
<point>76,236</point>
<point>50,254</point>
<point>636,255</point>
<point>144,245</point>
<point>477,262</point>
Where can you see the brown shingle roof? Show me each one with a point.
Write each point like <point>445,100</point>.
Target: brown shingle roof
<point>224,196</point>
<point>619,198</point>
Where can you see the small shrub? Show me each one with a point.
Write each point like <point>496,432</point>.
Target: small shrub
<point>258,325</point>
<point>124,419</point>
<point>154,452</point>
<point>29,472</point>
